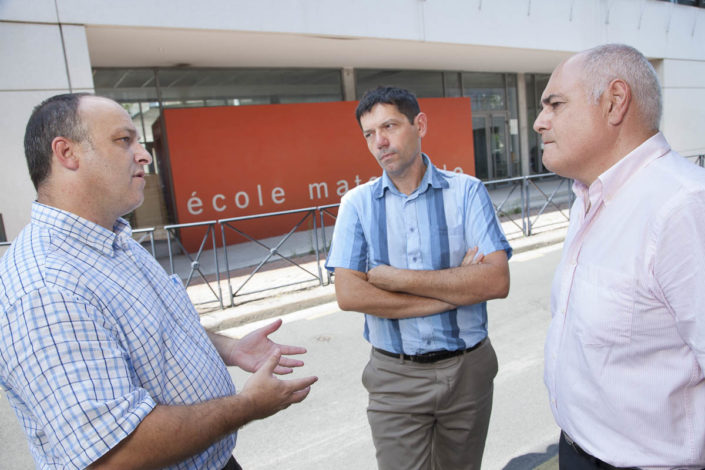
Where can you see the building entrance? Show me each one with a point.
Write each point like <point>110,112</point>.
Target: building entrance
<point>491,142</point>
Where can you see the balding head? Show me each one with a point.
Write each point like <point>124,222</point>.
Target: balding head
<point>608,62</point>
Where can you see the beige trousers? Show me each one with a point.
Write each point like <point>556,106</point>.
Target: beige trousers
<point>430,416</point>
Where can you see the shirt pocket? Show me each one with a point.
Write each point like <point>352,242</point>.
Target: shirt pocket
<point>602,304</point>
<point>451,238</point>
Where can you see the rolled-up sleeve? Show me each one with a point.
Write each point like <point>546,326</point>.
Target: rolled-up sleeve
<point>349,247</point>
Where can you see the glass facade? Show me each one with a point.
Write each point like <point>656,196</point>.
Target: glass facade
<point>144,92</point>
<point>425,84</point>
<point>535,84</point>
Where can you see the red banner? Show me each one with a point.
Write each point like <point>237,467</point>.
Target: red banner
<point>242,160</point>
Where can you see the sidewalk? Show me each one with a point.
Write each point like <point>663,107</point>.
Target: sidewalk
<point>261,302</point>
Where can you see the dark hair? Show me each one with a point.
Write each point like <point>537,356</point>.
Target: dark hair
<point>404,100</point>
<point>54,117</point>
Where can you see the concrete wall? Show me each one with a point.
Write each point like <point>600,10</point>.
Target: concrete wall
<point>36,63</point>
<point>48,47</point>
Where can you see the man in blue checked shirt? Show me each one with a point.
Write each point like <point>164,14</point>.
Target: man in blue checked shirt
<point>408,253</point>
<point>101,352</point>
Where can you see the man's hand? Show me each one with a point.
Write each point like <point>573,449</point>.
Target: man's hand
<point>392,279</point>
<point>478,278</point>
<point>471,258</point>
<point>384,277</point>
<point>253,350</point>
<point>267,395</point>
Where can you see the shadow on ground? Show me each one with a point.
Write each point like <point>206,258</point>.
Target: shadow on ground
<point>533,460</point>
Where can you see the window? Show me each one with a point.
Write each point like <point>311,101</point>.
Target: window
<point>144,92</point>
<point>535,84</point>
<point>424,84</point>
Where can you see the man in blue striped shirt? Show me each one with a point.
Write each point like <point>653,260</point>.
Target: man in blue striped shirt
<point>101,352</point>
<point>408,252</point>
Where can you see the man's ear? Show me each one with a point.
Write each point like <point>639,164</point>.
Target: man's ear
<point>619,96</point>
<point>421,122</point>
<point>65,152</point>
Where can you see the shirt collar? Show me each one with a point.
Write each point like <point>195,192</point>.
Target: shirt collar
<point>87,232</point>
<point>608,184</point>
<point>432,177</point>
<point>615,177</point>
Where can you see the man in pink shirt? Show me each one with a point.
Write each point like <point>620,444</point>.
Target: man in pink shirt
<point>625,351</point>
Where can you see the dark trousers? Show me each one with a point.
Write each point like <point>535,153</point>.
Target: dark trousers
<point>232,464</point>
<point>572,457</point>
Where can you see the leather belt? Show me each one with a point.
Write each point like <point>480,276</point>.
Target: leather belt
<point>430,357</point>
<point>594,460</point>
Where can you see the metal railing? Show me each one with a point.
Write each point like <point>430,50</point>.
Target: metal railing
<point>522,200</point>
<point>536,195</point>
<point>272,251</point>
<point>697,159</point>
<point>146,233</point>
<point>195,266</point>
<point>324,211</point>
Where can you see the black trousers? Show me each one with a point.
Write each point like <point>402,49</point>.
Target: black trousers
<point>232,464</point>
<point>572,457</point>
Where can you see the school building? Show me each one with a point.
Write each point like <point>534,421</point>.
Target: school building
<point>277,71</point>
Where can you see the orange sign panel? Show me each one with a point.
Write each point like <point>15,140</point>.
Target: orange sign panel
<point>243,160</point>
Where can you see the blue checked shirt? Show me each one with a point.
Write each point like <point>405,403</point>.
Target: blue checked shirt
<point>93,335</point>
<point>430,229</point>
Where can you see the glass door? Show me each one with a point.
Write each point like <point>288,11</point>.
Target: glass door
<point>490,140</point>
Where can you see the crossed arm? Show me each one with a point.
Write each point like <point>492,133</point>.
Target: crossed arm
<point>170,434</point>
<point>390,292</point>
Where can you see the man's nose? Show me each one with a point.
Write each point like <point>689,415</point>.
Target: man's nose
<point>541,123</point>
<point>381,140</point>
<point>142,156</point>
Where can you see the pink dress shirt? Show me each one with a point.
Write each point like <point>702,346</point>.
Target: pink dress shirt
<point>625,351</point>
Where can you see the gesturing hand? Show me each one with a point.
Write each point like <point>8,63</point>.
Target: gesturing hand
<point>267,395</point>
<point>253,350</point>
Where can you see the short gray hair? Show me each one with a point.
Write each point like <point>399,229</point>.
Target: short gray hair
<point>607,62</point>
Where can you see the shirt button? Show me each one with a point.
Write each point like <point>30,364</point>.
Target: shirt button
<point>411,229</point>
<point>413,259</point>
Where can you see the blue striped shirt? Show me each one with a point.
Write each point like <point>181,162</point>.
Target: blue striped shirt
<point>430,229</point>
<point>93,335</point>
